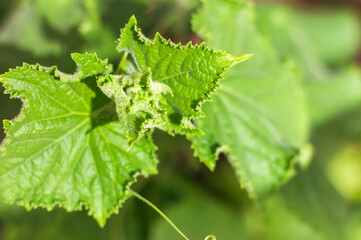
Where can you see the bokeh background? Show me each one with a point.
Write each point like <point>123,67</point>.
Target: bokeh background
<point>322,202</point>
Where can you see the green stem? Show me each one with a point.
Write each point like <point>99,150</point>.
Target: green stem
<point>135,194</point>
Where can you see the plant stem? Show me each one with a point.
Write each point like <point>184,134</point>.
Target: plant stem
<point>135,194</point>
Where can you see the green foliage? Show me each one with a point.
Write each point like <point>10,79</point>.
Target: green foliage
<point>82,139</point>
<point>67,145</point>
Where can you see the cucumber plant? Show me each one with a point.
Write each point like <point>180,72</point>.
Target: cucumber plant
<point>82,139</point>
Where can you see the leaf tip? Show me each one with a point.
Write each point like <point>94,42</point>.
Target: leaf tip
<point>132,21</point>
<point>241,58</point>
<point>75,56</point>
<point>158,37</point>
<point>132,24</point>
<point>101,220</point>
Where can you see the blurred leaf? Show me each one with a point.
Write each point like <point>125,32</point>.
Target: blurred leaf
<point>283,224</point>
<point>330,92</point>
<point>331,97</point>
<point>35,23</point>
<point>258,116</point>
<point>313,199</point>
<point>335,34</point>
<point>24,30</point>
<point>279,23</point>
<point>60,14</point>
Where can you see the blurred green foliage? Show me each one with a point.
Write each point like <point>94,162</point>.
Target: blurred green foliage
<point>321,202</point>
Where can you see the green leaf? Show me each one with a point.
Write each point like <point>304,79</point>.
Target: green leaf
<point>88,65</point>
<point>258,116</point>
<point>191,73</point>
<point>67,147</point>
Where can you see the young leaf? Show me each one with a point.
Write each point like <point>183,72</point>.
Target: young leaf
<point>67,147</point>
<point>191,73</point>
<point>139,102</point>
<point>88,65</point>
<point>258,116</point>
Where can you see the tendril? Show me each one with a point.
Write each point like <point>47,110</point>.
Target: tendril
<point>137,195</point>
<point>210,237</point>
